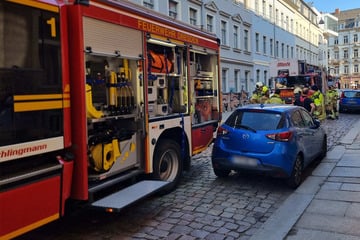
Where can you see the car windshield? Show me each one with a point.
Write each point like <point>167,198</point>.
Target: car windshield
<point>256,120</point>
<point>352,94</point>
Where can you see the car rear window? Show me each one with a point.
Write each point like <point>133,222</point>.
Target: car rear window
<point>256,120</point>
<point>352,94</point>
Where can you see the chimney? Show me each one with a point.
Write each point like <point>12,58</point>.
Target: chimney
<point>337,11</point>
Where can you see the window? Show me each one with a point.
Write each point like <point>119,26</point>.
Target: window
<point>265,76</point>
<point>247,73</point>
<point>257,6</point>
<point>34,62</point>
<point>270,12</point>
<point>257,75</point>
<point>224,79</point>
<point>356,68</point>
<point>346,39</point>
<point>236,80</point>
<point>287,51</point>
<point>236,36</point>
<point>257,120</point>
<point>257,42</point>
<point>246,40</point>
<point>292,52</point>
<point>264,8</point>
<point>346,69</point>
<point>148,4</point>
<point>209,23</point>
<point>346,53</point>
<point>277,16</point>
<point>356,53</point>
<point>223,33</point>
<point>192,15</point>
<point>297,120</point>
<point>277,49</point>
<point>308,120</point>
<point>287,23</point>
<point>271,47</point>
<point>336,54</point>
<point>355,37</point>
<point>282,50</point>
<point>264,45</point>
<point>336,41</point>
<point>173,9</point>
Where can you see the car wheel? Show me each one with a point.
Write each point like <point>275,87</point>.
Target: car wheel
<point>222,173</point>
<point>323,148</point>
<point>167,164</point>
<point>296,176</point>
<point>341,109</point>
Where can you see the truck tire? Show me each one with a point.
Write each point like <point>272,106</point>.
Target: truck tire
<point>167,164</point>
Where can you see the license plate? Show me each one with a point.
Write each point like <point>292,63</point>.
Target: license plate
<point>245,161</point>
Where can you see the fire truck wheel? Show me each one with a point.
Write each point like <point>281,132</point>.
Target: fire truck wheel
<point>168,163</point>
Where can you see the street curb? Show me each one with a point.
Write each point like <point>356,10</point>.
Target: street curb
<point>285,217</point>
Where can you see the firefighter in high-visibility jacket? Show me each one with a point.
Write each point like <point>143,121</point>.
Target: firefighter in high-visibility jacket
<point>275,98</point>
<point>319,102</point>
<point>331,97</point>
<point>257,94</point>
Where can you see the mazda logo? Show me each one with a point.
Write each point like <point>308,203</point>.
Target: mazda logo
<point>245,136</point>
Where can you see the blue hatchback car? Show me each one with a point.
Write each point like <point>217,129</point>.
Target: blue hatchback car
<point>277,139</point>
<point>349,100</point>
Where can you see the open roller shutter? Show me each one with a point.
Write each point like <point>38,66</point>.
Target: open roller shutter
<point>105,37</point>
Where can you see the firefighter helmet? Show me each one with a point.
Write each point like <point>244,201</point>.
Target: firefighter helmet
<point>259,84</point>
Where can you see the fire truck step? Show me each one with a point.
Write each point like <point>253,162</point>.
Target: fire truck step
<point>129,195</point>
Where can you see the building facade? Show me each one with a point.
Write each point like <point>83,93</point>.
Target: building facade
<point>252,33</point>
<point>343,50</point>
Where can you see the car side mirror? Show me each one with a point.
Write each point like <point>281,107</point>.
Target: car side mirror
<point>317,124</point>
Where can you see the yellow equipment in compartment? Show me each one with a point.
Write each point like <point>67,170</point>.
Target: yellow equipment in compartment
<point>105,154</point>
<point>91,111</point>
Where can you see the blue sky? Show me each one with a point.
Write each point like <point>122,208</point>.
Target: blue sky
<point>329,6</point>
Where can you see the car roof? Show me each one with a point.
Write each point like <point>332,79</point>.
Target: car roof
<point>350,90</point>
<point>270,107</point>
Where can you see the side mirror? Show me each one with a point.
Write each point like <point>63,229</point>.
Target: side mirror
<point>317,124</point>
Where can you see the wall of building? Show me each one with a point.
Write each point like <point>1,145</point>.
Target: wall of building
<point>290,23</point>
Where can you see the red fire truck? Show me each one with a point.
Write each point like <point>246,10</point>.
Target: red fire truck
<point>102,103</point>
<point>288,74</point>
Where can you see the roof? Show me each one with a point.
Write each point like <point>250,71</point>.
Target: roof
<point>273,107</point>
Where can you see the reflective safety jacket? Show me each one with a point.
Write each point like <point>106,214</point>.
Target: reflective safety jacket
<point>318,98</point>
<point>275,99</point>
<point>331,96</point>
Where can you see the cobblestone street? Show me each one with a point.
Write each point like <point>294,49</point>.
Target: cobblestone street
<point>202,207</point>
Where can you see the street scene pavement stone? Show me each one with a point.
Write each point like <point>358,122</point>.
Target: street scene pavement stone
<point>238,207</point>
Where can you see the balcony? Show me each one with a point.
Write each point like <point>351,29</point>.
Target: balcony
<point>334,62</point>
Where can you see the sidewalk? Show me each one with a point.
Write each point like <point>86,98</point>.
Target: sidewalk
<point>327,204</point>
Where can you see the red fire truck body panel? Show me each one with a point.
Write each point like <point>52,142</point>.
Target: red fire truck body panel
<point>26,202</point>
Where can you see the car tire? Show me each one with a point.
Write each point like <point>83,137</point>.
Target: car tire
<point>341,109</point>
<point>296,175</point>
<point>323,148</point>
<point>221,173</point>
<point>167,164</point>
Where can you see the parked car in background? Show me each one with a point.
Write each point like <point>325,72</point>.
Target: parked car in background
<point>349,100</point>
<point>280,140</point>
